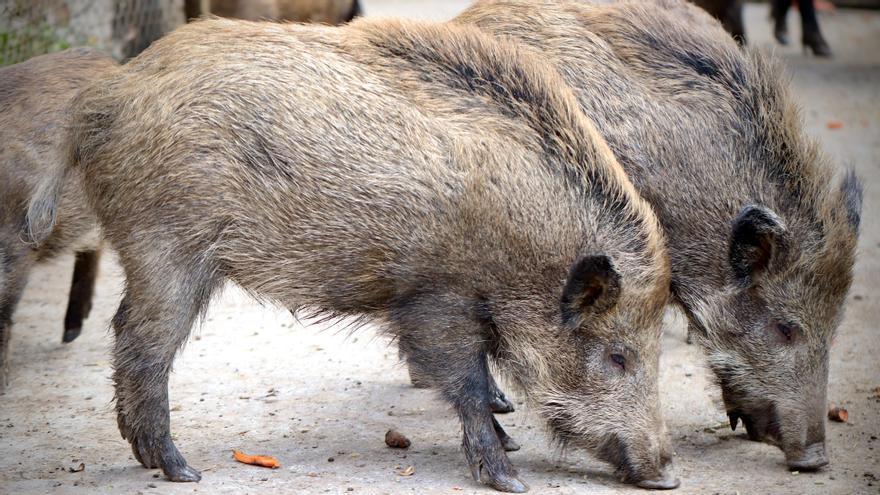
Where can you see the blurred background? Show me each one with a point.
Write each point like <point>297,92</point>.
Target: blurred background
<point>123,28</point>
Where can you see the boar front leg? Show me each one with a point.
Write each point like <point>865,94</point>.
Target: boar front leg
<point>482,446</point>
<point>160,306</point>
<point>453,358</point>
<point>79,304</point>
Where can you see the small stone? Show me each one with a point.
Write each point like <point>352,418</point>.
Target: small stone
<point>396,440</point>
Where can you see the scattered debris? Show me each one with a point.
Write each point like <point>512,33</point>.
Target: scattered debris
<point>876,392</point>
<point>81,467</point>
<point>409,471</point>
<point>838,414</point>
<point>835,125</point>
<point>256,460</point>
<point>396,440</point>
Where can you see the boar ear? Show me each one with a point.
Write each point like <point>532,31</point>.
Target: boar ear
<point>593,287</point>
<point>756,237</point>
<point>851,191</point>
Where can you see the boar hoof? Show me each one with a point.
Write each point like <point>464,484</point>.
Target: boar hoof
<point>508,484</point>
<point>183,474</point>
<point>667,482</point>
<point>163,454</point>
<point>499,478</point>
<point>499,403</point>
<point>814,457</point>
<point>509,444</point>
<point>70,334</point>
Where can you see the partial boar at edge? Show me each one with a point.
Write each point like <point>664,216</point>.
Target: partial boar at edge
<point>34,119</point>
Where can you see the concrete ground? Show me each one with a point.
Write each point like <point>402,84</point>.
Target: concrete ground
<point>320,400</point>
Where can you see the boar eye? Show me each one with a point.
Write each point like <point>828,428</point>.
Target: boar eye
<point>785,332</point>
<point>619,360</point>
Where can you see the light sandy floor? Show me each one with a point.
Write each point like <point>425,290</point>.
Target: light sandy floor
<point>321,401</point>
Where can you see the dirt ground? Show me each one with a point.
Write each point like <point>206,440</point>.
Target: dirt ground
<point>320,400</point>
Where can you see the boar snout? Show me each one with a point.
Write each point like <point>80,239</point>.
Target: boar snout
<point>801,439</point>
<point>813,458</point>
<point>642,462</point>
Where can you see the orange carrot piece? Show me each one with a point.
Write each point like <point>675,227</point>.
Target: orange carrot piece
<point>256,460</point>
<point>838,414</point>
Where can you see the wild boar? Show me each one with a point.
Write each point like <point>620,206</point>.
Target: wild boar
<point>331,12</point>
<point>422,176</point>
<point>34,96</point>
<point>762,227</point>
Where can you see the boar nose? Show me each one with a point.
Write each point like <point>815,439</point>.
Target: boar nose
<point>813,458</point>
<point>666,481</point>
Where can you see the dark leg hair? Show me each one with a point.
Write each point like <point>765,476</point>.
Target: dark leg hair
<point>161,303</point>
<point>449,347</point>
<point>79,304</point>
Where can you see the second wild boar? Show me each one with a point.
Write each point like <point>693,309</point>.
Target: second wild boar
<point>762,227</point>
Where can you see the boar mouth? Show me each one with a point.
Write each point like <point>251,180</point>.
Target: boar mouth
<point>762,424</point>
<point>615,451</point>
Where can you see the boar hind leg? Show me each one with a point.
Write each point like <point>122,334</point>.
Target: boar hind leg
<point>85,270</point>
<point>15,282</point>
<point>5,331</point>
<point>160,306</point>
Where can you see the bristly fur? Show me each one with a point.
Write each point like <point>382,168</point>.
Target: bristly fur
<point>707,130</point>
<point>424,176</point>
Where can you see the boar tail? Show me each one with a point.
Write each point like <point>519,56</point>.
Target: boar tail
<point>43,207</point>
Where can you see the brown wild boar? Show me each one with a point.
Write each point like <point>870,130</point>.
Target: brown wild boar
<point>331,12</point>
<point>34,97</point>
<point>762,228</point>
<point>422,176</point>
